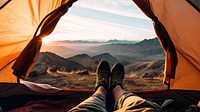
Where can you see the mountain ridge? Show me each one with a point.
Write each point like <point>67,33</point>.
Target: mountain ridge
<point>111,41</point>
<point>51,59</point>
<point>148,49</point>
<point>83,59</point>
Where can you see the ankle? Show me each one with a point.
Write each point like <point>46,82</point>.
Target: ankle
<point>116,89</point>
<point>101,90</point>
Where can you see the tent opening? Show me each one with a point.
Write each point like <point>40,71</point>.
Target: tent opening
<point>87,35</point>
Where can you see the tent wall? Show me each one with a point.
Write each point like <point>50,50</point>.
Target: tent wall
<point>19,21</point>
<point>6,74</point>
<point>187,76</point>
<point>164,38</point>
<point>182,23</point>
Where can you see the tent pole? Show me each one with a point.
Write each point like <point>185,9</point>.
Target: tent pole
<point>168,85</point>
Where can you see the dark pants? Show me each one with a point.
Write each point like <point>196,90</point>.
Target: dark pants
<point>127,102</point>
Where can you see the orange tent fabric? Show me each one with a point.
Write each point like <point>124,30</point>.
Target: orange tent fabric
<point>181,20</point>
<point>25,23</point>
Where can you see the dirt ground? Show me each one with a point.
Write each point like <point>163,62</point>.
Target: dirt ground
<point>87,82</point>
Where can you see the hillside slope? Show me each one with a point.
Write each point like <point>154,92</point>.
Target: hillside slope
<point>83,59</point>
<point>106,56</point>
<point>51,59</point>
<point>91,62</point>
<point>148,69</point>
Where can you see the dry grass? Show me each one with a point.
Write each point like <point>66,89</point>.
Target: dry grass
<point>75,81</point>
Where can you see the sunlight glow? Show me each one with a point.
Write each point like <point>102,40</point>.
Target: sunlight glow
<point>47,39</point>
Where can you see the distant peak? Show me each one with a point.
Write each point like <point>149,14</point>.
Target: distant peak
<point>105,54</point>
<point>116,41</point>
<point>150,39</point>
<point>85,55</point>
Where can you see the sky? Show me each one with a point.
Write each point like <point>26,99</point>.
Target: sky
<point>102,20</point>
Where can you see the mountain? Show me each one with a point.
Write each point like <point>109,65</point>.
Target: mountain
<point>77,41</point>
<point>148,69</point>
<point>92,62</point>
<point>106,56</point>
<point>145,50</point>
<point>51,59</point>
<point>145,47</point>
<point>77,62</point>
<point>148,47</point>
<point>115,41</point>
<point>83,59</point>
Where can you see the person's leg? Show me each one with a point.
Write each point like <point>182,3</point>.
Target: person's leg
<point>128,101</point>
<point>97,102</point>
<point>124,100</point>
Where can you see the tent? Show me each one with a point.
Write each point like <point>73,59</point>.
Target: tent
<point>24,23</point>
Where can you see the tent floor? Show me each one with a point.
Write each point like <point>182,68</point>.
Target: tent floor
<point>17,97</point>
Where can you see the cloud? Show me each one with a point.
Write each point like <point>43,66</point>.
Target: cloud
<point>103,20</point>
<point>120,7</point>
<point>75,27</point>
